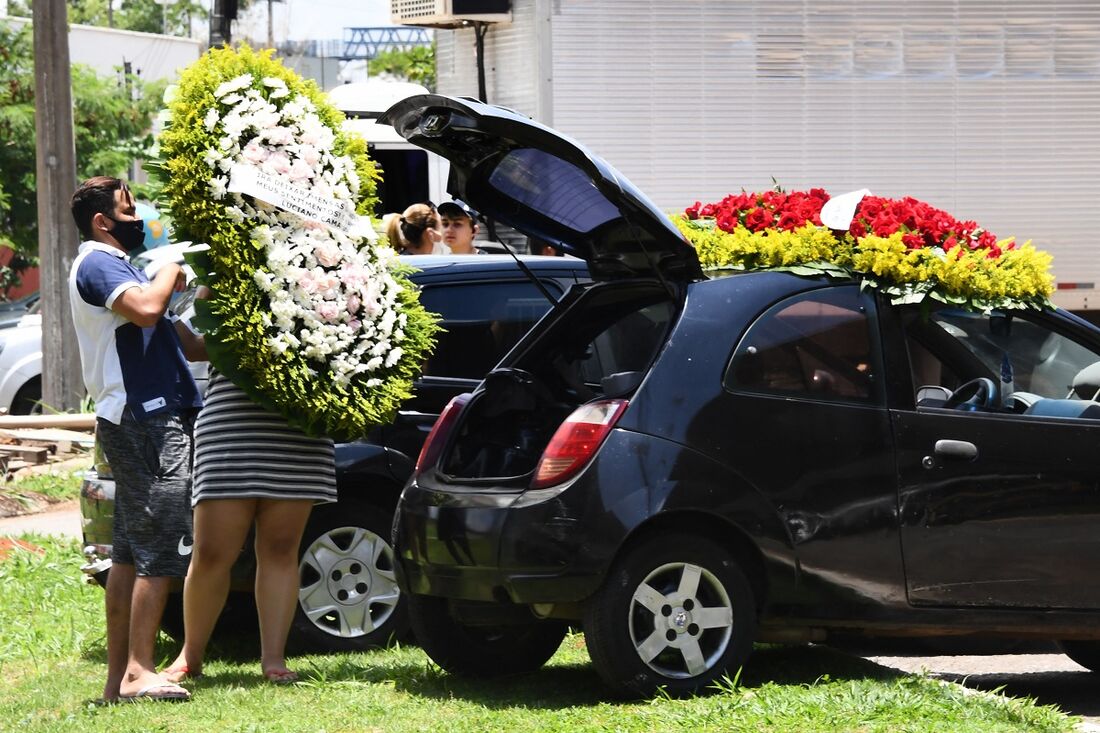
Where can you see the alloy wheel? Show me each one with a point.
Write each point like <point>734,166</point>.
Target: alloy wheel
<point>347,582</point>
<point>681,620</point>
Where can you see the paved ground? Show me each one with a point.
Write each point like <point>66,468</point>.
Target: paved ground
<point>62,520</point>
<point>1050,678</point>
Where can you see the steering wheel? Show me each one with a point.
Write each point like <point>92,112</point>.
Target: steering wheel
<point>973,395</point>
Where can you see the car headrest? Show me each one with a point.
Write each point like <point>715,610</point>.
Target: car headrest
<point>1086,384</point>
<point>1086,409</point>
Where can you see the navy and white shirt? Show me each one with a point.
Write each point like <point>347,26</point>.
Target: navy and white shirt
<point>124,365</point>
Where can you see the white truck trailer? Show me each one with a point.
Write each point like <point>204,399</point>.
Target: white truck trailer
<point>989,109</point>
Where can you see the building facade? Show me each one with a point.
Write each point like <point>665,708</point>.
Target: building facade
<point>989,109</point>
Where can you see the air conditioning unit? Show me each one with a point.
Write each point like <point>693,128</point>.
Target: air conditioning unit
<point>449,13</point>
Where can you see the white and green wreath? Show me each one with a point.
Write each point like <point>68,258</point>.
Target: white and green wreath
<point>307,314</point>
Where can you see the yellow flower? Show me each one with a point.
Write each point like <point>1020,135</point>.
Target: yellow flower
<point>1019,276</point>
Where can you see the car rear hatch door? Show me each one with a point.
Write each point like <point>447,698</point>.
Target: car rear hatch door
<point>544,184</point>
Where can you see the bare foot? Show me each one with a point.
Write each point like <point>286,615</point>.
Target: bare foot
<point>177,672</point>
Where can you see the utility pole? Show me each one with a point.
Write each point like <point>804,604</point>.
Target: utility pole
<point>271,23</point>
<point>222,16</point>
<point>62,383</point>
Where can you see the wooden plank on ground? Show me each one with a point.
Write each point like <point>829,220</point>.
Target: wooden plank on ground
<point>30,454</point>
<point>74,422</point>
<point>63,439</point>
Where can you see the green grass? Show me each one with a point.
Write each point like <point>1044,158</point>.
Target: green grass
<point>52,662</point>
<point>60,486</point>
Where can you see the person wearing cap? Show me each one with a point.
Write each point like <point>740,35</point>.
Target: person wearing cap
<point>459,227</point>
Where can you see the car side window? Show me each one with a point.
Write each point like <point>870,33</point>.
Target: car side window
<point>629,344</point>
<point>819,345</point>
<point>481,322</point>
<point>1027,358</point>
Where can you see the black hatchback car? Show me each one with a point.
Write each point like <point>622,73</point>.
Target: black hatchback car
<point>347,597</point>
<point>688,465</point>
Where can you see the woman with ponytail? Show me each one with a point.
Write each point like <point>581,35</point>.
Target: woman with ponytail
<point>417,231</point>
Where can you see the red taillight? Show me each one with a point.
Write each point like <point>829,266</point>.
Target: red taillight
<point>576,441</point>
<point>433,446</point>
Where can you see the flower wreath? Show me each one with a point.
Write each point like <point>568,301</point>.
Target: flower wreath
<point>905,247</point>
<point>309,319</point>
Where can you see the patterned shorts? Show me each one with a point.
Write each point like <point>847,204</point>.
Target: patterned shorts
<point>151,463</point>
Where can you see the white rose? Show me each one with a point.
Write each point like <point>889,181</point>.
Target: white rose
<point>233,85</point>
<point>217,187</point>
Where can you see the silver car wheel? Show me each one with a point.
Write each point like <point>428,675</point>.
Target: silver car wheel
<point>681,620</point>
<point>348,587</point>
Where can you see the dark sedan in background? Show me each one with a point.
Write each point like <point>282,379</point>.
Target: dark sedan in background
<point>348,596</point>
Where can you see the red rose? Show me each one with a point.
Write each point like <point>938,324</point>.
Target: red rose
<point>913,241</point>
<point>759,219</point>
<point>774,199</point>
<point>790,221</point>
<point>726,221</point>
<point>987,240</point>
<point>885,224</point>
<point>870,207</point>
<point>810,210</point>
<point>692,212</point>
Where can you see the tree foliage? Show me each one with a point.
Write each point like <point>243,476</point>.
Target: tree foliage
<point>148,16</point>
<point>112,120</point>
<point>416,64</point>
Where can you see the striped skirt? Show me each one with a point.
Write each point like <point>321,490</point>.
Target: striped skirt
<point>242,451</point>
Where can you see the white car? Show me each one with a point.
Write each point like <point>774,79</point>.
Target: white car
<point>21,345</point>
<point>21,366</point>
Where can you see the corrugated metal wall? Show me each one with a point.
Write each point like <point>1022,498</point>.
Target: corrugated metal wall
<point>511,69</point>
<point>989,109</point>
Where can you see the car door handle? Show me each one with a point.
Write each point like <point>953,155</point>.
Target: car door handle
<point>956,450</point>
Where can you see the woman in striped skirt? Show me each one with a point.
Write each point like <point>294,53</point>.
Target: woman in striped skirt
<point>250,468</point>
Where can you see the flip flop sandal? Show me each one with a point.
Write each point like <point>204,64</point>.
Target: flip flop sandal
<point>281,676</point>
<point>174,693</point>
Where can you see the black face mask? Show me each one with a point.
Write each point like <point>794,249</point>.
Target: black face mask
<point>130,234</point>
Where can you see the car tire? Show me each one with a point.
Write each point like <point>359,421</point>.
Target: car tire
<point>236,621</point>
<point>482,651</point>
<point>348,598</point>
<point>644,629</point>
<point>28,398</point>
<point>1085,653</point>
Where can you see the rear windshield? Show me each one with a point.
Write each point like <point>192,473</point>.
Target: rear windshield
<point>553,187</point>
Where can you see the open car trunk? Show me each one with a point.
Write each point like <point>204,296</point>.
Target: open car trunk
<point>602,346</point>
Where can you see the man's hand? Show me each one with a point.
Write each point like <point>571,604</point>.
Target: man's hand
<point>144,306</point>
